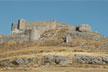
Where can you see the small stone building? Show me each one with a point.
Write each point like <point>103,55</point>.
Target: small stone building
<point>84,28</point>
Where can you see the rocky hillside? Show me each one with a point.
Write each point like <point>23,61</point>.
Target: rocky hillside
<point>64,49</point>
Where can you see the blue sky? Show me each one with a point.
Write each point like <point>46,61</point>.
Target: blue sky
<point>73,12</point>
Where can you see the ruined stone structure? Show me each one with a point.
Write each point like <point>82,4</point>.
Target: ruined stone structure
<point>68,39</point>
<point>44,30</point>
<point>35,28</point>
<point>23,25</point>
<point>84,28</point>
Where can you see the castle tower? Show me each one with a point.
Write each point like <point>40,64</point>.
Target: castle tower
<point>53,24</point>
<point>34,34</point>
<point>21,24</point>
<point>12,26</point>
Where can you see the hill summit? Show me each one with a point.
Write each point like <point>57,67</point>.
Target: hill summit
<point>44,46</point>
<point>42,30</point>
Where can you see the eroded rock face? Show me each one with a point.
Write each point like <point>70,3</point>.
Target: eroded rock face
<point>4,63</point>
<point>88,35</point>
<point>18,61</point>
<point>105,59</point>
<point>56,60</point>
<point>91,59</point>
<point>23,61</point>
<point>83,28</point>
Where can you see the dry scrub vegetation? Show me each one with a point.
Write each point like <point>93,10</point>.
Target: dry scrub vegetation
<point>12,50</point>
<point>54,46</point>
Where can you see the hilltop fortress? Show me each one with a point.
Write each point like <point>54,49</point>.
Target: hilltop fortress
<point>36,44</point>
<point>46,30</point>
<point>35,28</point>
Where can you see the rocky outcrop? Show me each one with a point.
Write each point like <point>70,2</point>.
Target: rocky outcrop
<point>18,61</point>
<point>91,59</point>
<point>13,37</point>
<point>23,61</point>
<point>88,35</point>
<point>56,60</point>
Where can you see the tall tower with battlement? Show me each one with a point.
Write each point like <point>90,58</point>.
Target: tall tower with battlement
<point>21,24</point>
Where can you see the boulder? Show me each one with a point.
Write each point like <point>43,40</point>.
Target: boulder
<point>4,63</point>
<point>61,60</point>
<point>8,68</point>
<point>18,61</point>
<point>32,60</point>
<point>105,59</point>
<point>25,60</point>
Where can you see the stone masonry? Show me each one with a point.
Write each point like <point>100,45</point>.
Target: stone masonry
<point>84,28</point>
<point>23,25</point>
<point>34,35</point>
<point>32,31</point>
<point>36,28</point>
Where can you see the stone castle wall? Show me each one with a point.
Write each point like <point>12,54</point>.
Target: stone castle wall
<point>33,29</point>
<point>13,37</point>
<point>14,27</point>
<point>40,25</point>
